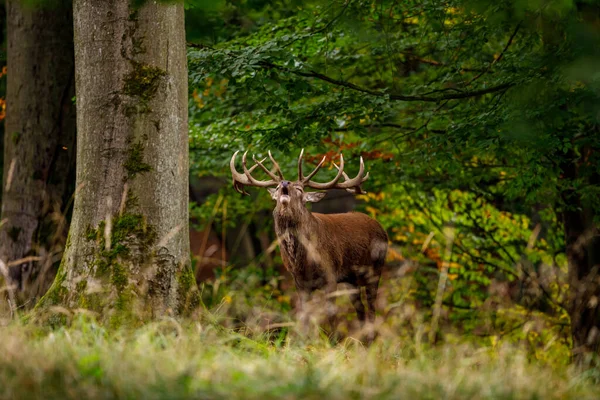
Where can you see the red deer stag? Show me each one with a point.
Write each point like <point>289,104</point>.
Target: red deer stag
<point>321,250</point>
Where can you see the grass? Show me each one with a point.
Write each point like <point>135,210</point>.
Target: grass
<point>245,344</point>
<point>172,359</point>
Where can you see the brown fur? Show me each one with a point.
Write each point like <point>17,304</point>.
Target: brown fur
<point>321,250</point>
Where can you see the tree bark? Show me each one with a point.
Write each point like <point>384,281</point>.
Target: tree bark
<point>127,255</point>
<point>582,241</point>
<point>39,144</point>
<point>582,235</point>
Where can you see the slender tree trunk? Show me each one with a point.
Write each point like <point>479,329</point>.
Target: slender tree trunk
<point>582,240</point>
<point>39,144</point>
<point>582,236</point>
<point>128,246</point>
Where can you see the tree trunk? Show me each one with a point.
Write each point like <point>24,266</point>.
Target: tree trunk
<point>582,240</point>
<point>128,247</point>
<point>582,236</point>
<point>39,144</point>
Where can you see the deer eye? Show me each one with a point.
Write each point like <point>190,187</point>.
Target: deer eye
<point>300,190</point>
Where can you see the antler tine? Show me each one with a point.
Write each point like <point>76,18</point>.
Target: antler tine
<point>276,165</point>
<point>346,177</point>
<point>356,189</point>
<point>300,178</point>
<point>306,179</point>
<point>353,185</point>
<point>239,180</point>
<point>255,182</point>
<point>260,164</point>
<point>328,185</point>
<point>252,168</point>
<point>357,180</point>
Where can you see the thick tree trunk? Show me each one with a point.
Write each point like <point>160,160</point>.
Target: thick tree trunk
<point>39,144</point>
<point>128,246</point>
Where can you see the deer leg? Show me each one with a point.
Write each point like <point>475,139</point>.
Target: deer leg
<point>302,312</point>
<point>358,305</point>
<point>331,309</point>
<point>371,289</point>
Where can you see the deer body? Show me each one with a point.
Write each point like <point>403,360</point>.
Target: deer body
<point>321,250</point>
<point>324,249</point>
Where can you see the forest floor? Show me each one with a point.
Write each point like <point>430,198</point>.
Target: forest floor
<point>184,359</point>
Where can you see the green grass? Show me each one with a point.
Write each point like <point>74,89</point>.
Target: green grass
<point>184,359</point>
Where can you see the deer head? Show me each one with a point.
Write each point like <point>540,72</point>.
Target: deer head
<point>291,196</point>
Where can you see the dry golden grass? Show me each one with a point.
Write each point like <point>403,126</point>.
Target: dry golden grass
<point>185,359</point>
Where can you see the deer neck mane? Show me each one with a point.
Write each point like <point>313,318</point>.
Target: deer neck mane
<point>288,228</point>
<point>294,220</point>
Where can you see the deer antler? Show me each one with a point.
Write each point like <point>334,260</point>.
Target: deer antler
<point>246,179</point>
<point>351,185</point>
<point>306,180</point>
<point>276,166</point>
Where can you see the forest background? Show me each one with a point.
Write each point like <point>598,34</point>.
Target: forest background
<point>478,122</point>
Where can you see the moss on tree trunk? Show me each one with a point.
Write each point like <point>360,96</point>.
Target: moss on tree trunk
<point>128,255</point>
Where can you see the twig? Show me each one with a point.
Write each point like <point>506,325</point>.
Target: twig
<point>327,26</point>
<point>9,288</point>
<point>510,40</point>
<point>439,63</point>
<point>23,261</point>
<point>437,308</point>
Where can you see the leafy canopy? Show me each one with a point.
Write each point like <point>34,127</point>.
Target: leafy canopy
<point>467,112</point>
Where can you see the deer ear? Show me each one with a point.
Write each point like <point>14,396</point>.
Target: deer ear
<point>313,197</point>
<point>273,193</point>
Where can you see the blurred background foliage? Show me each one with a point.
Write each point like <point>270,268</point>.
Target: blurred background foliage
<point>466,113</point>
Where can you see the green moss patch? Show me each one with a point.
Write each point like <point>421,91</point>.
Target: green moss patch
<point>135,161</point>
<point>57,292</point>
<point>130,237</point>
<point>143,81</point>
<point>56,295</point>
<point>117,260</point>
<point>189,296</point>
<point>127,230</point>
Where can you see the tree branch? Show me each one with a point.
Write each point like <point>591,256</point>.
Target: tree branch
<point>510,40</point>
<point>408,129</point>
<point>439,63</point>
<point>394,97</point>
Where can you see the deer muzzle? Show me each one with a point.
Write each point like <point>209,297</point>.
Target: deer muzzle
<point>284,197</point>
